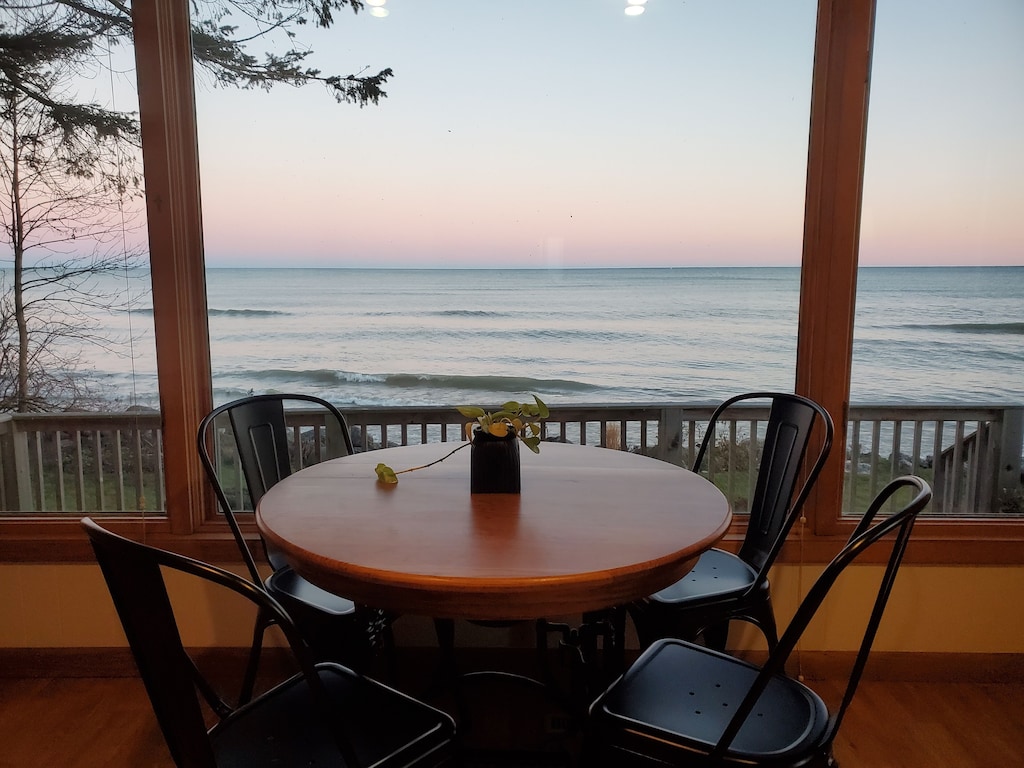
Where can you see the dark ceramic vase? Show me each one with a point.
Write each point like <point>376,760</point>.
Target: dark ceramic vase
<point>494,463</point>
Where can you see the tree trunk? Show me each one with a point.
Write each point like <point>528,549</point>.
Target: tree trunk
<point>18,241</point>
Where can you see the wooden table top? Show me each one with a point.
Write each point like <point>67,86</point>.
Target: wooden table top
<point>592,528</point>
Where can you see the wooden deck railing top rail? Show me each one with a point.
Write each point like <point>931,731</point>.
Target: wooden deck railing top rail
<point>106,462</point>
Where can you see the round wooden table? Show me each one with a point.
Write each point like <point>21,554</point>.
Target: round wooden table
<point>592,528</point>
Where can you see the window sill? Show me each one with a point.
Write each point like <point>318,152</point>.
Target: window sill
<point>933,543</point>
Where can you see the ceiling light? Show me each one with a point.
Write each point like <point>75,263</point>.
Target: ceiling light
<point>628,2</point>
<point>381,2</point>
<point>634,10</point>
<point>380,13</point>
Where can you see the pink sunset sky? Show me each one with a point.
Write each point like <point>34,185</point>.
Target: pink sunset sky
<point>566,134</point>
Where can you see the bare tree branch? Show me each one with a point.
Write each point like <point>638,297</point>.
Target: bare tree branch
<point>71,174</point>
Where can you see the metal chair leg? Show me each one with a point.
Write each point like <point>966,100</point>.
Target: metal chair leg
<point>252,666</point>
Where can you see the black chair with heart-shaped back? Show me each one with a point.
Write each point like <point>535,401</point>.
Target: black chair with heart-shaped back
<point>327,714</point>
<point>682,703</point>
<point>723,586</point>
<point>247,446</point>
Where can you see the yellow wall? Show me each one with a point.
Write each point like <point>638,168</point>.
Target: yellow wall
<point>43,606</point>
<point>933,609</point>
<point>940,609</point>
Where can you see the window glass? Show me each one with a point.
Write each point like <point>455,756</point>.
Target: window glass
<point>939,302</point>
<point>554,198</point>
<point>76,322</point>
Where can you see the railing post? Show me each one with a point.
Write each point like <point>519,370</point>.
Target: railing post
<point>15,475</point>
<point>670,435</point>
<point>1011,445</point>
<point>7,477</point>
<point>335,439</point>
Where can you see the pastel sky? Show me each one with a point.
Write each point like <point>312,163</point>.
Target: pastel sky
<point>566,134</point>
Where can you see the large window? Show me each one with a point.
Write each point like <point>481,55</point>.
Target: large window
<point>762,188</point>
<point>940,289</point>
<point>76,319</point>
<point>541,142</point>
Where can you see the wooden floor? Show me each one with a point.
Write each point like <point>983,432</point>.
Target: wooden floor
<point>107,723</point>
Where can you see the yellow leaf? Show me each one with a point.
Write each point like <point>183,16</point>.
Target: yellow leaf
<point>385,474</point>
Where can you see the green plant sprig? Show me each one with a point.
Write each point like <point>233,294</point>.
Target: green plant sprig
<point>387,475</point>
<point>522,419</point>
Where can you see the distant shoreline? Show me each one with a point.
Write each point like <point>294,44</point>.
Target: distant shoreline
<point>680,268</point>
<point>606,269</point>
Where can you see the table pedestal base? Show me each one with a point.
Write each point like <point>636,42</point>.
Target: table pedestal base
<point>590,669</point>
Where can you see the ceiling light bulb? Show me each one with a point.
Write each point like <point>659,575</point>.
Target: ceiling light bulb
<point>634,10</point>
<point>380,13</point>
<point>381,2</point>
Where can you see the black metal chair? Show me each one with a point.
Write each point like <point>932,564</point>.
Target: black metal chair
<point>335,628</point>
<point>325,715</point>
<point>685,704</point>
<point>722,586</point>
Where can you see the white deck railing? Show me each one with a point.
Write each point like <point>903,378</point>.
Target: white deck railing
<point>81,462</point>
<point>105,462</point>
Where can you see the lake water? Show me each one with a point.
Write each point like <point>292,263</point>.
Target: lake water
<point>416,337</point>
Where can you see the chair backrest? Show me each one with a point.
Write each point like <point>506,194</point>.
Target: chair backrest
<point>261,444</point>
<point>133,575</point>
<point>898,527</point>
<point>774,506</point>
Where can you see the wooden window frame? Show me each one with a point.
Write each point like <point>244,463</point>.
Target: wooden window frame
<point>835,178</point>
<point>835,169</point>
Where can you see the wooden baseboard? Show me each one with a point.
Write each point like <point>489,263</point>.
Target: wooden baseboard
<point>893,666</point>
<point>814,665</point>
<point>67,662</point>
<point>113,662</point>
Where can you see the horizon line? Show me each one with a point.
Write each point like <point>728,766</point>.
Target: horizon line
<point>383,268</point>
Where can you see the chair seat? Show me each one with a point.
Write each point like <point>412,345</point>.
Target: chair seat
<point>288,586</point>
<point>679,696</point>
<point>718,575</point>
<point>283,727</point>
<point>685,704</point>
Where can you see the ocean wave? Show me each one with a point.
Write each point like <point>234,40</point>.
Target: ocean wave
<point>466,313</point>
<point>488,383</point>
<point>223,312</point>
<point>435,313</point>
<point>245,313</point>
<point>482,336</point>
<point>417,313</point>
<point>327,378</point>
<point>318,376</point>
<point>1008,328</point>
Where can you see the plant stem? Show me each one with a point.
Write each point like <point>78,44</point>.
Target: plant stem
<point>436,461</point>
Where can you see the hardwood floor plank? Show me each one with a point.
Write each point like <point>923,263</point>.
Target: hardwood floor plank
<point>108,723</point>
<point>80,723</point>
<point>944,725</point>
